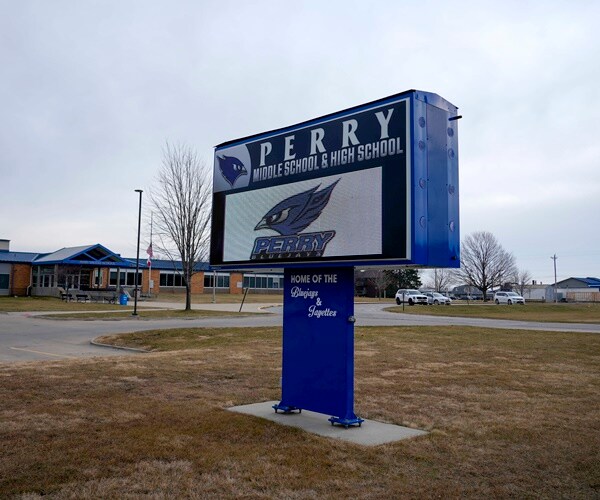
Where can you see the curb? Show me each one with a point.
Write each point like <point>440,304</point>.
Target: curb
<point>268,306</point>
<point>123,348</point>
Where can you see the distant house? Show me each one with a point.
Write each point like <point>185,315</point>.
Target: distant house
<point>579,284</point>
<point>571,289</point>
<point>542,293</point>
<point>579,289</point>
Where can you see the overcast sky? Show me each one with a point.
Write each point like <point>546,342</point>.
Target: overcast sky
<point>91,90</point>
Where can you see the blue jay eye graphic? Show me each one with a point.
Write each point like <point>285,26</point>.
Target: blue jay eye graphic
<point>278,217</point>
<point>297,212</point>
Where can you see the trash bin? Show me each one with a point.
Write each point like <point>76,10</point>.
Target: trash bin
<point>123,299</point>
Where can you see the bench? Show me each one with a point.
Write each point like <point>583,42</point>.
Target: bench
<point>67,297</point>
<point>82,297</point>
<point>111,299</point>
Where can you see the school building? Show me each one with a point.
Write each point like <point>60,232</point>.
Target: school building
<point>95,267</point>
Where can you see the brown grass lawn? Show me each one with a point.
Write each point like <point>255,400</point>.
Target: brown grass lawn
<point>145,314</point>
<point>226,298</point>
<point>221,298</point>
<point>511,414</point>
<point>548,312</point>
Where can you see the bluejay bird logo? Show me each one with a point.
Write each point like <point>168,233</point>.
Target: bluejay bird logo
<point>288,218</point>
<point>297,212</point>
<point>231,168</point>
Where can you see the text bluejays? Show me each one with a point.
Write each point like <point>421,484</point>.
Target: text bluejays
<point>349,138</point>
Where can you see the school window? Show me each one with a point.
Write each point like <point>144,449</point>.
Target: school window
<point>264,282</point>
<point>126,277</point>
<point>222,280</point>
<point>130,281</point>
<point>45,276</point>
<point>171,278</point>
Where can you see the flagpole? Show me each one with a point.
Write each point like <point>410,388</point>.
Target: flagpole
<point>150,256</point>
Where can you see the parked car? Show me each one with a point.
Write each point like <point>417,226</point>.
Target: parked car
<point>435,298</point>
<point>509,298</point>
<point>412,297</point>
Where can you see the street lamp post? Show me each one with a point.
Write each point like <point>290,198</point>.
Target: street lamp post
<point>137,258</point>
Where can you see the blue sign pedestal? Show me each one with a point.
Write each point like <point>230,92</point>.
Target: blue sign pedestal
<point>318,343</point>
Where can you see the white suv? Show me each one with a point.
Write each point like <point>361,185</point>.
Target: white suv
<point>411,296</point>
<point>509,298</point>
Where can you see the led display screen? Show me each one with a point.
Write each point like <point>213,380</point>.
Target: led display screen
<point>306,219</point>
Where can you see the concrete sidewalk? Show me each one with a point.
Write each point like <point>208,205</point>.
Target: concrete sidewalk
<point>248,307</point>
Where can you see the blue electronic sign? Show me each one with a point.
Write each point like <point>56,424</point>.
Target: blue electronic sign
<point>376,184</point>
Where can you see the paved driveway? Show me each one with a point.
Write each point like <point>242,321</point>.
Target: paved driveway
<point>25,336</point>
<point>373,315</point>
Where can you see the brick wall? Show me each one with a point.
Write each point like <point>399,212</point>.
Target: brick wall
<point>236,282</point>
<point>154,276</point>
<point>20,279</point>
<point>198,283</point>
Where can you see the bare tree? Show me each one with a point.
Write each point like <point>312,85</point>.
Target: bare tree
<point>182,208</point>
<point>442,279</point>
<point>522,278</point>
<point>380,279</point>
<point>484,263</point>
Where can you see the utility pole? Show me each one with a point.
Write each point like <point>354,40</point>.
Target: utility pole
<point>554,257</point>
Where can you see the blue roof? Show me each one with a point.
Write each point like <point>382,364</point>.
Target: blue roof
<point>593,282</point>
<point>16,257</point>
<point>168,265</point>
<point>87,255</point>
<point>95,255</point>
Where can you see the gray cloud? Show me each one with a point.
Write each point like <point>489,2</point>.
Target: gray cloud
<point>91,91</point>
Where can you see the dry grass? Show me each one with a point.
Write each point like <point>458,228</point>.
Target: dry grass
<point>548,312</point>
<point>221,298</point>
<point>252,298</point>
<point>145,314</point>
<point>511,414</point>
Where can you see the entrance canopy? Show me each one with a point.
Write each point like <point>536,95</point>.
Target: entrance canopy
<point>88,255</point>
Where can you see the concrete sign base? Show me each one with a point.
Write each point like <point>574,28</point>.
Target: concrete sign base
<point>371,433</point>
